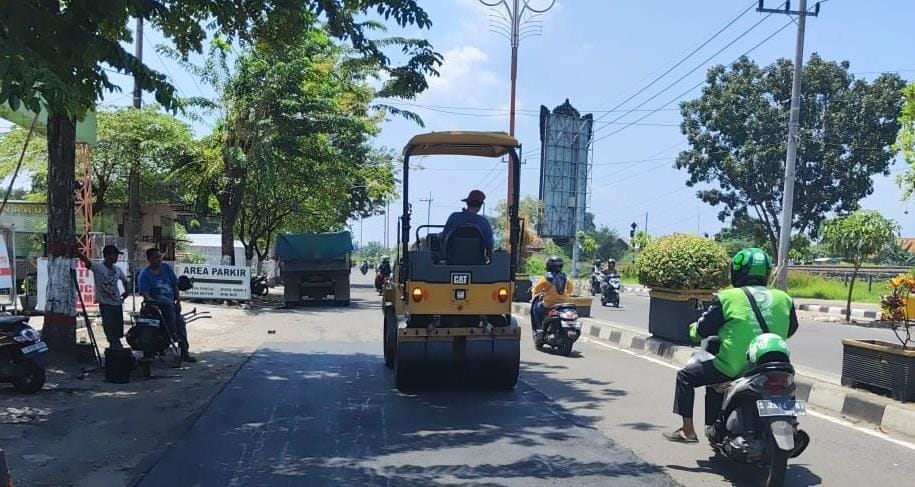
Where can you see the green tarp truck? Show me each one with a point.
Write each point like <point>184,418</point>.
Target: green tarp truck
<point>315,266</point>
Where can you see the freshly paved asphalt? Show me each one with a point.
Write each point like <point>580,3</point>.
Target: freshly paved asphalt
<point>325,412</point>
<point>320,409</point>
<point>817,345</point>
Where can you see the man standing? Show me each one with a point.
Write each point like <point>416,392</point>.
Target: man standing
<point>159,286</point>
<point>471,215</point>
<point>109,298</point>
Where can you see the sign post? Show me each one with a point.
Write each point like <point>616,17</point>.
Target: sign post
<point>216,282</point>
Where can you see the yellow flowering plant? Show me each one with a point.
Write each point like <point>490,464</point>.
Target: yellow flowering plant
<point>897,307</point>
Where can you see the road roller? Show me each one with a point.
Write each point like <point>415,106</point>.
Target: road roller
<point>447,314</point>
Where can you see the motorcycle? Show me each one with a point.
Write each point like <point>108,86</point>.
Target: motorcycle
<point>560,328</point>
<point>595,283</point>
<point>259,285</point>
<point>381,282</point>
<point>150,334</point>
<point>364,268</point>
<point>757,422</point>
<point>22,354</point>
<point>610,290</point>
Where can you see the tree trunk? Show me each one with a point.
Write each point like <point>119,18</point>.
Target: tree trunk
<point>851,287</point>
<point>229,206</point>
<point>60,307</point>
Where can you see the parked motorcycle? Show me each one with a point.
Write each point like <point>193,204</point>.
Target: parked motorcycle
<point>610,290</point>
<point>22,354</point>
<point>150,335</point>
<point>560,328</point>
<point>757,422</point>
<point>259,285</point>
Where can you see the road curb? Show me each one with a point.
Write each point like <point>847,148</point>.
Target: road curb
<point>827,397</point>
<point>839,311</point>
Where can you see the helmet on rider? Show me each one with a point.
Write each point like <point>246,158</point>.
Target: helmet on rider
<point>554,264</point>
<point>611,262</point>
<point>385,258</point>
<point>750,267</point>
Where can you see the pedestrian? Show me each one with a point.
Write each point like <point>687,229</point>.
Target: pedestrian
<point>109,298</point>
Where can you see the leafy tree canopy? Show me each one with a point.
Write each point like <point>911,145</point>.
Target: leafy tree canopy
<point>737,131</point>
<point>905,142</point>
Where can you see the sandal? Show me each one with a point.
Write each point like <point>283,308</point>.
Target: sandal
<point>677,436</point>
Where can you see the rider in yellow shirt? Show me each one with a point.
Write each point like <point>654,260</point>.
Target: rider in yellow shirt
<point>555,288</point>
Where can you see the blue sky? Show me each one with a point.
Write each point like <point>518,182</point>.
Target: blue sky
<point>598,53</point>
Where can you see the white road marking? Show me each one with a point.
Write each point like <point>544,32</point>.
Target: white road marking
<point>831,419</point>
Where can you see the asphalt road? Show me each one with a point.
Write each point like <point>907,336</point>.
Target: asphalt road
<point>323,411</point>
<point>320,409</point>
<point>817,345</point>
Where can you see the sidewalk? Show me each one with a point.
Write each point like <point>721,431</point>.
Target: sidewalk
<point>820,388</point>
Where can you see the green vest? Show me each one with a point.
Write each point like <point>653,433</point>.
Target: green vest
<point>741,327</point>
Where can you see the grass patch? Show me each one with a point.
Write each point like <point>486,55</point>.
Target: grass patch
<point>804,285</point>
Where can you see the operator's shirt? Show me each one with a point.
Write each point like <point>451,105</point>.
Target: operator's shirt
<point>551,296</point>
<point>465,217</point>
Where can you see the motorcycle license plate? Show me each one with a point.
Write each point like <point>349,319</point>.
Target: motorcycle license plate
<point>784,407</point>
<point>148,322</point>
<point>35,348</point>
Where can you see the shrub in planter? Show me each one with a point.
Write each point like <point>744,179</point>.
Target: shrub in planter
<point>884,365</point>
<point>682,272</point>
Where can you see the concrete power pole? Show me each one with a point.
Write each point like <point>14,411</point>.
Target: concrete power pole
<point>784,238</point>
<point>132,228</point>
<point>428,202</point>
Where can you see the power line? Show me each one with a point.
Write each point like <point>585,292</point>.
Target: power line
<point>697,85</point>
<point>681,78</point>
<point>681,61</point>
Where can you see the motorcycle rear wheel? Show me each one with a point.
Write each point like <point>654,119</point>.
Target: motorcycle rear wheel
<point>566,347</point>
<point>33,381</point>
<point>778,464</point>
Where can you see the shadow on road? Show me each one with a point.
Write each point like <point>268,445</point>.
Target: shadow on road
<point>797,475</point>
<point>297,415</point>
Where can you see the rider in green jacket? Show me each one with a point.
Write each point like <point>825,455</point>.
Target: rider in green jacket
<point>731,318</point>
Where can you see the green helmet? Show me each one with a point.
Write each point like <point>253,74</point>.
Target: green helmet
<point>750,266</point>
<point>766,344</point>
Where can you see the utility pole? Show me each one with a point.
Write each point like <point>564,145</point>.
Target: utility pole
<point>132,228</point>
<point>428,202</point>
<point>387,223</point>
<point>512,24</point>
<point>784,238</point>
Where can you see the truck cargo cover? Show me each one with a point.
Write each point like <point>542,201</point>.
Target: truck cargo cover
<point>313,246</point>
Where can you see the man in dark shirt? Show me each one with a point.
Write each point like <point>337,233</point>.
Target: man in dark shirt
<point>471,215</point>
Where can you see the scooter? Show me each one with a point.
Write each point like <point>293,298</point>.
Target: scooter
<point>364,268</point>
<point>596,278</point>
<point>757,422</point>
<point>150,334</point>
<point>610,290</point>
<point>22,354</point>
<point>560,328</point>
<point>259,285</point>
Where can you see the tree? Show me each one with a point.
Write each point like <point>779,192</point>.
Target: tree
<point>858,237</point>
<point>149,135</point>
<point>905,142</point>
<point>737,132</point>
<point>57,53</point>
<point>608,244</point>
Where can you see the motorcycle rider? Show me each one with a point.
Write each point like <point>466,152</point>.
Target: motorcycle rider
<point>555,288</point>
<point>731,317</point>
<point>384,272</point>
<point>610,270</point>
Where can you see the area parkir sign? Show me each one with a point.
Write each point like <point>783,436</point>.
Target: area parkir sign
<point>216,281</point>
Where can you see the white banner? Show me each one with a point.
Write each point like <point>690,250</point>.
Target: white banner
<point>221,282</point>
<point>84,278</point>
<point>6,272</point>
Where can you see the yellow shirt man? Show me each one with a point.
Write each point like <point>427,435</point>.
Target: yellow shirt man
<point>551,296</point>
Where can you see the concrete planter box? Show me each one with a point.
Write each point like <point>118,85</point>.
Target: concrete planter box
<point>583,304</point>
<point>878,364</point>
<point>671,312</point>
<point>523,286</point>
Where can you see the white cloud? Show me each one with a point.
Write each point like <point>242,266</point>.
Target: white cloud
<point>463,72</point>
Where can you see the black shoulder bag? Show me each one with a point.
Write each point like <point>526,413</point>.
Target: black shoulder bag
<point>759,316</point>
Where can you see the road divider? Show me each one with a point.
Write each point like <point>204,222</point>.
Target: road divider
<point>827,397</point>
